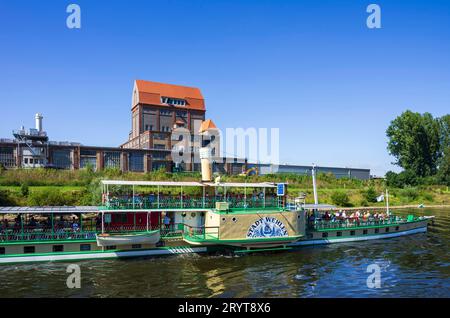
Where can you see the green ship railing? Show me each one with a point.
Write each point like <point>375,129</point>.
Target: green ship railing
<point>197,233</point>
<point>321,224</point>
<point>187,203</point>
<point>88,233</point>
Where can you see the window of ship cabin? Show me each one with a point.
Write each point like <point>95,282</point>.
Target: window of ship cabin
<point>111,247</point>
<point>29,249</point>
<point>387,229</point>
<point>364,232</point>
<point>85,247</point>
<point>396,228</point>
<point>136,246</point>
<point>324,234</point>
<point>58,248</point>
<point>339,233</point>
<point>352,233</point>
<point>377,230</point>
<point>2,250</point>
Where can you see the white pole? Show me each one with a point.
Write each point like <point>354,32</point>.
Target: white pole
<point>203,203</point>
<point>103,224</point>
<point>133,197</point>
<point>147,221</point>
<point>158,195</point>
<point>313,172</point>
<point>387,202</point>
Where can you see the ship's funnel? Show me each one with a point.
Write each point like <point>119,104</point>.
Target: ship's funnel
<point>205,159</point>
<point>38,118</point>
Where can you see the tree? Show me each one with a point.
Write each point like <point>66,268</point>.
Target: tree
<point>444,163</point>
<point>340,198</point>
<point>370,195</point>
<point>415,142</point>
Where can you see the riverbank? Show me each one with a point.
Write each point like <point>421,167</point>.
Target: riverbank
<point>35,187</point>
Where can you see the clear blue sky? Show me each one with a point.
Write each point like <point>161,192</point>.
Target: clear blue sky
<point>311,68</point>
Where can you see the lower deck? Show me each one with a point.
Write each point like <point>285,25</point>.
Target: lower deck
<point>70,250</point>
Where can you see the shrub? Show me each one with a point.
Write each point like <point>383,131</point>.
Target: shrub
<point>370,195</point>
<point>409,193</point>
<point>50,197</point>
<point>340,198</point>
<point>24,189</point>
<point>6,199</point>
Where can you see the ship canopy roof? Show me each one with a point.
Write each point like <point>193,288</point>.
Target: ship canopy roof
<point>190,184</point>
<point>48,209</point>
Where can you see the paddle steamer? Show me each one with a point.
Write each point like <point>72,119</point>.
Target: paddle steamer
<point>150,218</point>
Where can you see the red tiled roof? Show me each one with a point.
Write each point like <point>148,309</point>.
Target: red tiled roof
<point>151,93</point>
<point>207,124</point>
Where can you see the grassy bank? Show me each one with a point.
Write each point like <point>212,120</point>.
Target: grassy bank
<point>60,187</point>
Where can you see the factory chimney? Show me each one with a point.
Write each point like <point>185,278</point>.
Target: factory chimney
<point>38,118</point>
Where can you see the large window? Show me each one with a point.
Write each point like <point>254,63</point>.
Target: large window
<point>136,162</point>
<point>61,159</point>
<point>7,158</point>
<point>88,158</point>
<point>112,159</point>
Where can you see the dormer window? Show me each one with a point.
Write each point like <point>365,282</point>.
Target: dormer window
<point>173,101</point>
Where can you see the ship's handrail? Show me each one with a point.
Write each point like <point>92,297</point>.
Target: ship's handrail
<point>201,232</point>
<point>88,233</point>
<point>187,203</point>
<point>322,224</point>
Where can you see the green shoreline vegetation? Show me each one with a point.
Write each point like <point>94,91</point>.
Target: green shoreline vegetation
<point>40,187</point>
<point>419,143</point>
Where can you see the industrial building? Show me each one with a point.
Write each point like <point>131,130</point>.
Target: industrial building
<point>357,173</point>
<point>156,110</point>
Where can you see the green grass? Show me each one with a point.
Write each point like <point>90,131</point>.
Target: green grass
<point>82,187</point>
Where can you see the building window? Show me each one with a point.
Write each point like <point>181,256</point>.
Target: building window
<point>25,161</point>
<point>173,101</point>
<point>136,246</point>
<point>85,247</point>
<point>111,247</point>
<point>2,251</point>
<point>61,159</point>
<point>136,162</point>
<point>7,157</point>
<point>325,234</point>
<point>58,248</point>
<point>29,249</point>
<point>111,159</point>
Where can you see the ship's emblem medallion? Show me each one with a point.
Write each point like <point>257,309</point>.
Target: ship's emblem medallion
<point>267,227</point>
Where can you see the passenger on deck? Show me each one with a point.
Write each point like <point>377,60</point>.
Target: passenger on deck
<point>167,221</point>
<point>327,216</point>
<point>75,225</point>
<point>32,222</point>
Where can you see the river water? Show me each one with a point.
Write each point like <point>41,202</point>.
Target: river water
<point>410,266</point>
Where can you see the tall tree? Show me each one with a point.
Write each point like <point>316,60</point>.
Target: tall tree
<point>415,142</point>
<point>444,163</point>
